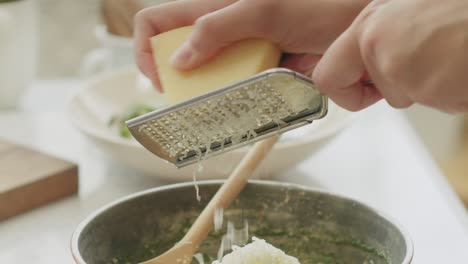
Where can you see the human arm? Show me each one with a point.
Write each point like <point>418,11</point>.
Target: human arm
<point>414,52</point>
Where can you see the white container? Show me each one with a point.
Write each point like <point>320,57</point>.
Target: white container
<point>17,49</point>
<point>114,52</point>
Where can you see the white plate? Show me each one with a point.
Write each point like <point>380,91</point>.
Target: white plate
<point>114,92</point>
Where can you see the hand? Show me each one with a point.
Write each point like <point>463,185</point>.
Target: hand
<point>304,28</point>
<point>414,51</point>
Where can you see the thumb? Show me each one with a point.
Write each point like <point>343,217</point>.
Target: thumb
<point>214,31</point>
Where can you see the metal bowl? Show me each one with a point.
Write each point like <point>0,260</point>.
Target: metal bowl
<point>298,219</point>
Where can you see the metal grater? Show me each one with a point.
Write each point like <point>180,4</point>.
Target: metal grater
<point>272,102</point>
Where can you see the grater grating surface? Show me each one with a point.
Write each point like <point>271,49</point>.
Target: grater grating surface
<point>271,102</point>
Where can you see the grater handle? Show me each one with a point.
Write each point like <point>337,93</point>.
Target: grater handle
<point>229,190</point>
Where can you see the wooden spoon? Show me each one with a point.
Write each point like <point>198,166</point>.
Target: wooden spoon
<point>183,251</point>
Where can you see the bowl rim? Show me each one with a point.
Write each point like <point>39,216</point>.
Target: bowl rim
<point>81,226</point>
<point>91,82</point>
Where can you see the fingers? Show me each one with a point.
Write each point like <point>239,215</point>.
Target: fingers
<point>357,96</point>
<point>213,32</point>
<point>393,93</point>
<point>362,91</point>
<point>149,69</point>
<point>378,61</point>
<point>354,55</point>
<point>339,72</point>
<point>152,21</point>
<point>303,63</point>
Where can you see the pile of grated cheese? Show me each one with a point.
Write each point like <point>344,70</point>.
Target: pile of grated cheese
<point>257,252</point>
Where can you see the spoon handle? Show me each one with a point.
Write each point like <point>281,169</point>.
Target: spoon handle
<point>229,190</point>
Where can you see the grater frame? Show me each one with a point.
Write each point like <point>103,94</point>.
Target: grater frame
<point>299,121</point>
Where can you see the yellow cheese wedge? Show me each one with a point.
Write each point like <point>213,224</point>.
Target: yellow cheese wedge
<point>235,63</point>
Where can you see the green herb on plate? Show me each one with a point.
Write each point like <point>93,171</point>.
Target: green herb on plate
<point>119,119</point>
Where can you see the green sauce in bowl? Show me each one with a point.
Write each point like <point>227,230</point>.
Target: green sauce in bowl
<point>311,245</point>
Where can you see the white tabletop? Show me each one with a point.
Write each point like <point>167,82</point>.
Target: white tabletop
<point>379,160</point>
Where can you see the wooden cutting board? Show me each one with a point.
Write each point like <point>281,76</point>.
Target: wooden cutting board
<point>29,179</point>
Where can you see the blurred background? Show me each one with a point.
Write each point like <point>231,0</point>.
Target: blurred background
<point>72,42</point>
<point>67,31</point>
<point>65,35</point>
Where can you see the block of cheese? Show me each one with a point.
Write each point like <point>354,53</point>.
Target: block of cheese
<point>237,62</point>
